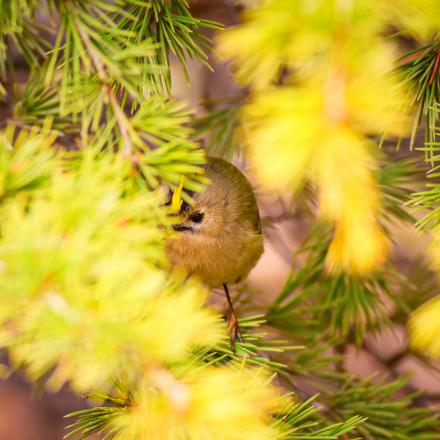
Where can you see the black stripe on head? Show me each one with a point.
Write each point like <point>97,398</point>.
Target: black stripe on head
<point>185,205</point>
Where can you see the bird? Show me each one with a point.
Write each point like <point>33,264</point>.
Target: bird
<point>218,238</point>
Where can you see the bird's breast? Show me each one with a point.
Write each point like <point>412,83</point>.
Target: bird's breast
<point>216,261</point>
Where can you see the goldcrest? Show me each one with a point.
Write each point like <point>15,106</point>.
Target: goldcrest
<point>219,238</point>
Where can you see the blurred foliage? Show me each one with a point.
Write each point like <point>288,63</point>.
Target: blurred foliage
<point>425,327</point>
<point>93,142</point>
<point>93,139</point>
<point>96,302</point>
<point>322,82</point>
<point>98,254</point>
<point>337,90</point>
<point>340,306</point>
<point>385,418</point>
<point>219,128</point>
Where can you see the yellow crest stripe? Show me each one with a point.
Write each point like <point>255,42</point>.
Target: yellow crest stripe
<point>176,200</point>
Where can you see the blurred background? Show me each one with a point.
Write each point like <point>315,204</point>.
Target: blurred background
<point>30,413</point>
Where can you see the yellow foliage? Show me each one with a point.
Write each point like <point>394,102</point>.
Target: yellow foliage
<point>206,403</point>
<point>424,325</point>
<point>283,129</point>
<point>300,34</point>
<point>95,300</point>
<point>421,18</point>
<point>318,130</point>
<point>349,197</point>
<point>32,161</point>
<point>291,138</point>
<point>86,298</point>
<point>260,46</point>
<point>424,328</point>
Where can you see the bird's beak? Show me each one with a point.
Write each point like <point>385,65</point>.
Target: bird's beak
<point>181,228</point>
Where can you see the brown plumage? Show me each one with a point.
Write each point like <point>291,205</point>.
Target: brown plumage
<point>219,238</point>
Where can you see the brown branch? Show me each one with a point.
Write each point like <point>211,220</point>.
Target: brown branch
<point>435,68</point>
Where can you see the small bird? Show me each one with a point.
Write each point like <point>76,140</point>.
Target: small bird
<point>219,237</point>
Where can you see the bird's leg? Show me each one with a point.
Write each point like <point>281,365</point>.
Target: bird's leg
<point>232,320</point>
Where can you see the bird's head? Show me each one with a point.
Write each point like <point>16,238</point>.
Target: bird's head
<point>204,217</point>
<point>225,207</point>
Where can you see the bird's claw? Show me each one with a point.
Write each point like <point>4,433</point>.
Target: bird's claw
<point>234,330</point>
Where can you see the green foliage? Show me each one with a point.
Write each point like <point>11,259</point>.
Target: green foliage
<point>17,25</point>
<point>343,305</point>
<point>173,28</point>
<point>335,306</point>
<point>386,417</point>
<point>219,125</point>
<point>27,169</point>
<point>420,76</point>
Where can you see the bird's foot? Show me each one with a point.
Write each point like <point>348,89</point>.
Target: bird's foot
<point>234,331</point>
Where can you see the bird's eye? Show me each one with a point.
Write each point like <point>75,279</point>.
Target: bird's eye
<point>197,217</point>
